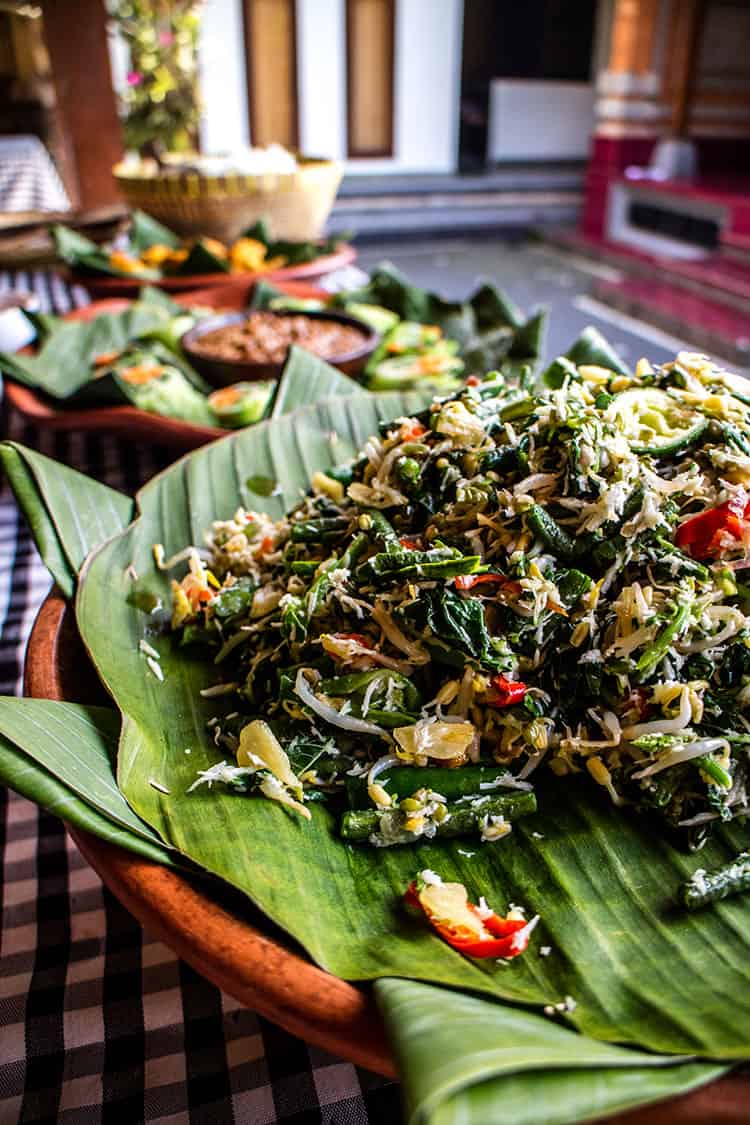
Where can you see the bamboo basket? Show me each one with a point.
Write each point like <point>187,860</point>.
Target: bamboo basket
<point>295,205</point>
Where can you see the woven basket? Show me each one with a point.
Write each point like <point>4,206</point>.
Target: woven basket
<point>295,205</point>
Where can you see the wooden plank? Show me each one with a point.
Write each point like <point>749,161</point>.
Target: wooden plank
<point>271,52</point>
<point>86,109</point>
<point>370,54</point>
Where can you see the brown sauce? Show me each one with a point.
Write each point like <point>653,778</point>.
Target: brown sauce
<point>266,337</point>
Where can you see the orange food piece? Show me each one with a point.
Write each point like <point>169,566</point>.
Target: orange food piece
<point>141,374</point>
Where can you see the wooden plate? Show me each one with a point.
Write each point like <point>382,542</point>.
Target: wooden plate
<point>129,420</point>
<point>99,285</point>
<point>239,950</point>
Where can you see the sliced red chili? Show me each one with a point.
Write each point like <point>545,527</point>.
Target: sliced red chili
<point>473,381</point>
<point>411,542</point>
<point>506,938</point>
<point>469,581</point>
<point>359,638</point>
<point>705,536</point>
<point>412,431</point>
<point>506,692</point>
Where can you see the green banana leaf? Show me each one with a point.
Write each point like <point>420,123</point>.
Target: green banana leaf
<point>68,513</point>
<point>510,1057</point>
<point>87,256</point>
<point>307,379</point>
<point>527,1066</point>
<point>640,970</point>
<point>590,347</point>
<point>201,259</point>
<point>145,231</point>
<point>76,745</point>
<point>488,326</point>
<point>62,368</point>
<point>295,253</point>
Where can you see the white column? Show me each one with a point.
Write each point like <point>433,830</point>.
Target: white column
<point>224,125</point>
<point>321,77</point>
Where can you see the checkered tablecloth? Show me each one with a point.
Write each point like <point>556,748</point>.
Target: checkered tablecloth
<point>99,1022</point>
<point>29,180</point>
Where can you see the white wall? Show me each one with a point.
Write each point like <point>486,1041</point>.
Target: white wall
<point>539,120</point>
<point>427,82</point>
<point>224,125</point>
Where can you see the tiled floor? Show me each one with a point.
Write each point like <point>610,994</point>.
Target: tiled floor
<point>533,274</point>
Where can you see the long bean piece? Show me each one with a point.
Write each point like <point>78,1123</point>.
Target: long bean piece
<point>706,887</point>
<point>460,819</point>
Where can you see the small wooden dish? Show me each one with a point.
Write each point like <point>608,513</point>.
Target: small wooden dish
<point>224,938</point>
<point>224,372</point>
<point>141,425</point>
<point>100,286</point>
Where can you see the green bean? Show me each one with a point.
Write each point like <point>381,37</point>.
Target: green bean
<point>544,527</point>
<point>318,591</point>
<point>659,647</point>
<point>459,820</point>
<point>707,887</point>
<point>403,781</point>
<point>715,771</point>
<point>378,527</point>
<point>319,530</point>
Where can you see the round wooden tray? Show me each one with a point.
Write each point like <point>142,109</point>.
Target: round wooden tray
<point>99,285</point>
<point>221,935</point>
<point>129,420</point>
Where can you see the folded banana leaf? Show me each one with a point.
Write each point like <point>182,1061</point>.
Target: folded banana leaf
<point>590,348</point>
<point>307,379</point>
<point>146,231</point>
<point>489,327</point>
<point>89,257</point>
<point>69,514</point>
<point>638,969</point>
<point>294,253</point>
<point>63,366</point>
<point>466,1060</point>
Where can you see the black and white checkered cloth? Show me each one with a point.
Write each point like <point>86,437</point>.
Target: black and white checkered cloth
<point>99,1022</point>
<point>29,180</point>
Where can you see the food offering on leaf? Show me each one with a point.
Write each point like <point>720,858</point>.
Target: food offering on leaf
<point>151,251</point>
<point>512,580</point>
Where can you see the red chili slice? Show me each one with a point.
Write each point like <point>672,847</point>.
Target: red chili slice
<point>506,941</point>
<point>412,432</point>
<point>469,581</point>
<point>705,536</point>
<point>506,692</point>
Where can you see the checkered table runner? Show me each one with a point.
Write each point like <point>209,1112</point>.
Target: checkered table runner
<point>29,180</point>
<point>99,1022</point>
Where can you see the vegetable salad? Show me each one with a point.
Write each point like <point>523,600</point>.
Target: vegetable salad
<point>515,579</point>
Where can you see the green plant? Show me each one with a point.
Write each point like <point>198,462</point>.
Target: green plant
<point>161,105</point>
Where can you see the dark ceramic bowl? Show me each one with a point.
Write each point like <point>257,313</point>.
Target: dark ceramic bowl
<point>223,372</point>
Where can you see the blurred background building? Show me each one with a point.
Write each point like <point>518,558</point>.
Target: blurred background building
<point>619,128</point>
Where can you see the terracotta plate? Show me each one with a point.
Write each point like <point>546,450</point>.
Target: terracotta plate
<point>219,933</point>
<point>99,285</point>
<point>129,420</point>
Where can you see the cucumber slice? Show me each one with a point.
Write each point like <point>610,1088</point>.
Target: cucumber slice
<point>655,423</point>
<point>296,304</point>
<point>401,372</point>
<point>380,319</point>
<point>242,404</point>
